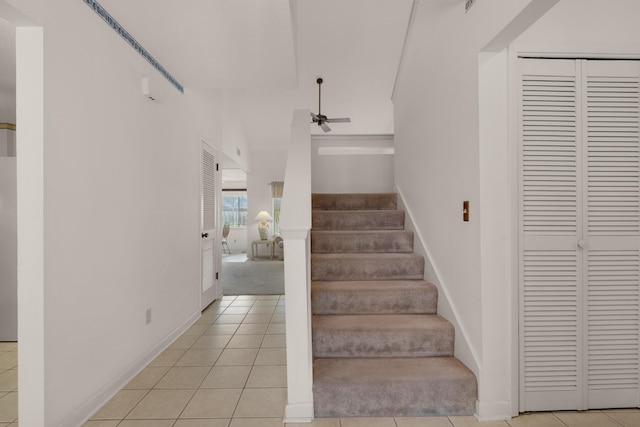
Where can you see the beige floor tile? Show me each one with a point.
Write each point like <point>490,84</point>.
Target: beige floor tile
<point>236,310</point>
<point>8,360</point>
<point>627,419</point>
<point>277,318</point>
<point>586,419</point>
<point>200,357</point>
<point>99,423</point>
<point>266,303</point>
<point>257,318</point>
<point>210,422</point>
<point>472,421</point>
<point>252,329</point>
<point>274,341</point>
<point>280,309</point>
<point>9,380</point>
<point>161,404</point>
<point>621,410</point>
<point>183,342</point>
<point>146,423</point>
<point>168,357</point>
<point>423,422</point>
<point>242,303</point>
<point>317,422</point>
<point>261,402</point>
<point>262,309</point>
<point>256,422</point>
<point>269,297</point>
<point>276,328</point>
<point>536,419</point>
<point>237,357</point>
<point>267,376</point>
<point>226,329</point>
<point>271,356</point>
<point>9,407</point>
<point>212,403</point>
<point>245,341</point>
<point>227,377</point>
<point>120,405</point>
<point>183,377</point>
<point>212,341</point>
<point>229,318</point>
<point>8,346</point>
<point>247,297</point>
<point>147,378</point>
<point>196,329</point>
<point>207,320</point>
<point>367,422</point>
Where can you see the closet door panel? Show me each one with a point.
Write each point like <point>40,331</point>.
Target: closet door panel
<point>612,230</point>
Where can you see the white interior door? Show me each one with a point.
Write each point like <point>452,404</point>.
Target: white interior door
<point>209,230</point>
<point>579,190</point>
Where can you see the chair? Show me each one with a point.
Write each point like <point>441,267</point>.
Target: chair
<point>279,242</point>
<point>225,233</point>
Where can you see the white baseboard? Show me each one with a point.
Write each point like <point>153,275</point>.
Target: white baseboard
<point>299,413</point>
<point>84,412</point>
<point>493,411</point>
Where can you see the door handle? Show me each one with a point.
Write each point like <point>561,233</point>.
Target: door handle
<point>582,244</point>
<point>204,235</point>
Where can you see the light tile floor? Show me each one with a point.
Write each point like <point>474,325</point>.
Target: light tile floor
<point>229,370</point>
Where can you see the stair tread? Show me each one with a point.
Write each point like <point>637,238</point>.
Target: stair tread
<point>373,285</point>
<point>372,241</point>
<point>381,322</point>
<point>354,200</point>
<point>367,255</point>
<point>388,369</point>
<point>391,219</point>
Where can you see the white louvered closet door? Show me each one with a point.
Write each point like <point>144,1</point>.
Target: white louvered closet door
<point>210,242</point>
<point>579,234</point>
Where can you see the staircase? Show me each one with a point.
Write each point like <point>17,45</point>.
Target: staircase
<point>379,347</point>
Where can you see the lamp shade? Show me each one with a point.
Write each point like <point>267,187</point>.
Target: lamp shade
<point>263,216</point>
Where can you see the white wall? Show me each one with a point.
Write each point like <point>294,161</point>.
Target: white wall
<point>121,213</point>
<point>266,167</point>
<point>351,173</point>
<point>438,166</point>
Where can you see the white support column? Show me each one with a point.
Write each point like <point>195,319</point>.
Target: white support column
<point>30,200</point>
<point>295,227</point>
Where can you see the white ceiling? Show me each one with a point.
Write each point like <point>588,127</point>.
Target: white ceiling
<point>268,54</point>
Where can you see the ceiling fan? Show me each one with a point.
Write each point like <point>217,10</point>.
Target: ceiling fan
<point>321,119</point>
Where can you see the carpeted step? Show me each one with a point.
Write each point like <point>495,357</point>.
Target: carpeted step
<point>361,241</point>
<point>374,297</point>
<point>382,335</point>
<point>367,267</point>
<point>393,387</point>
<point>357,220</point>
<point>350,201</point>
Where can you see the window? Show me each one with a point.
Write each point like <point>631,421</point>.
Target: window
<point>234,208</point>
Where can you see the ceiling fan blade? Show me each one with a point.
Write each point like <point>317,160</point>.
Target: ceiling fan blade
<point>340,120</point>
<point>315,118</point>
<point>324,126</point>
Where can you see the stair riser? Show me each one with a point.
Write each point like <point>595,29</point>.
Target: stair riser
<point>358,220</point>
<point>393,388</point>
<point>384,201</point>
<point>375,343</point>
<point>423,300</point>
<point>368,269</point>
<point>397,400</point>
<point>359,242</point>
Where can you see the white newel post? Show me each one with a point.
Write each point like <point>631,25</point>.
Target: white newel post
<point>295,226</point>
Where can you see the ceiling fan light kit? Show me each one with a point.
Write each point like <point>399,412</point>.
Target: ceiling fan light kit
<point>321,119</point>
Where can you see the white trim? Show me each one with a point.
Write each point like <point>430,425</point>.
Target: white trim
<point>95,402</point>
<point>493,411</point>
<point>540,50</point>
<point>442,287</point>
<point>298,413</point>
<point>407,39</point>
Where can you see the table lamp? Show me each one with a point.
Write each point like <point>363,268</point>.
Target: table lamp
<point>263,227</point>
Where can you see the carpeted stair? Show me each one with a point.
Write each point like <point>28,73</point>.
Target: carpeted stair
<point>380,348</point>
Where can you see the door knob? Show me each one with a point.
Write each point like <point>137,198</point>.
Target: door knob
<point>581,244</point>
<point>204,235</point>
